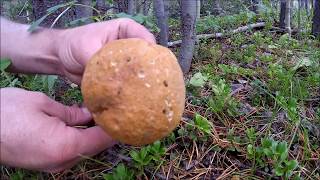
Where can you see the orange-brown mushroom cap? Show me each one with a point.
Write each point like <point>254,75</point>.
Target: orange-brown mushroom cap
<point>135,90</point>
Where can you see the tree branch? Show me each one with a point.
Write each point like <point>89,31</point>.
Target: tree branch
<point>219,35</point>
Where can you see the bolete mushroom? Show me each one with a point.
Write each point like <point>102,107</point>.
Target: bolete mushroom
<point>135,90</point>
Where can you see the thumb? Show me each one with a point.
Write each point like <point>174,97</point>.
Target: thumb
<point>92,140</point>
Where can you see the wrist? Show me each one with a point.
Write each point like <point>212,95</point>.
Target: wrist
<point>30,52</point>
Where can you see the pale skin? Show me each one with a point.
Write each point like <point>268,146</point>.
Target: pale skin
<point>37,132</point>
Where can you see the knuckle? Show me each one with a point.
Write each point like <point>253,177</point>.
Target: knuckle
<point>71,114</point>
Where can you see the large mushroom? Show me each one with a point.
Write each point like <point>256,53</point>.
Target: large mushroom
<point>135,90</point>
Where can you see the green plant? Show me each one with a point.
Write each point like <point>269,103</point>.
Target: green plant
<point>231,69</point>
<point>7,79</point>
<point>146,155</point>
<point>198,80</point>
<point>202,124</point>
<point>72,96</point>
<point>222,100</point>
<point>249,53</point>
<point>121,172</point>
<point>197,130</point>
<point>251,134</point>
<point>18,175</point>
<point>238,39</point>
<point>273,153</point>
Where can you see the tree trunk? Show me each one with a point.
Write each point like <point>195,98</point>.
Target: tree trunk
<point>131,7</point>
<point>282,13</point>
<point>198,9</point>
<point>82,12</point>
<point>217,10</point>
<point>146,7</point>
<point>316,19</point>
<point>288,17</point>
<point>299,15</point>
<point>306,6</point>
<point>122,6</point>
<point>102,6</point>
<point>162,20</point>
<point>255,6</point>
<point>189,14</point>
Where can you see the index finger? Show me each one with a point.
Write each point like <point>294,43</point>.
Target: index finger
<point>129,28</point>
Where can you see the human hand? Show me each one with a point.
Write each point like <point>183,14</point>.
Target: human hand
<point>37,133</point>
<point>77,45</point>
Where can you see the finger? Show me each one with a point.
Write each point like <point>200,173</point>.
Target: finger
<point>82,142</point>
<point>92,141</point>
<point>74,77</point>
<point>128,28</point>
<point>71,115</point>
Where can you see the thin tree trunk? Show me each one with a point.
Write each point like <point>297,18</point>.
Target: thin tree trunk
<point>255,6</point>
<point>162,20</point>
<point>288,17</point>
<point>189,14</point>
<point>131,7</point>
<point>102,5</point>
<point>217,10</point>
<point>122,6</point>
<point>307,7</point>
<point>82,11</point>
<point>146,7</point>
<point>299,15</point>
<point>316,19</point>
<point>292,7</point>
<point>198,9</point>
<point>282,13</point>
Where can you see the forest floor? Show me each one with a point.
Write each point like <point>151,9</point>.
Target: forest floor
<point>252,112</point>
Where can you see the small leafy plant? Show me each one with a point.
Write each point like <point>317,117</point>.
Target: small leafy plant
<point>272,153</point>
<point>149,154</point>
<point>222,100</point>
<point>121,172</point>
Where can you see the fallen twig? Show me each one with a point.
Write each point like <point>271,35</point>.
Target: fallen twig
<point>219,35</point>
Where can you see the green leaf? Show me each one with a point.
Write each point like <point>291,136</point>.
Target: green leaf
<point>272,46</point>
<point>303,62</point>
<point>119,173</point>
<point>279,171</point>
<point>109,1</point>
<point>282,149</point>
<point>51,81</point>
<point>54,8</point>
<point>267,152</point>
<point>266,142</point>
<point>79,21</point>
<point>139,18</point>
<point>134,155</point>
<point>198,80</point>
<point>143,152</point>
<point>124,15</point>
<point>4,63</point>
<point>202,123</point>
<point>250,149</point>
<point>36,23</point>
<point>291,165</point>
